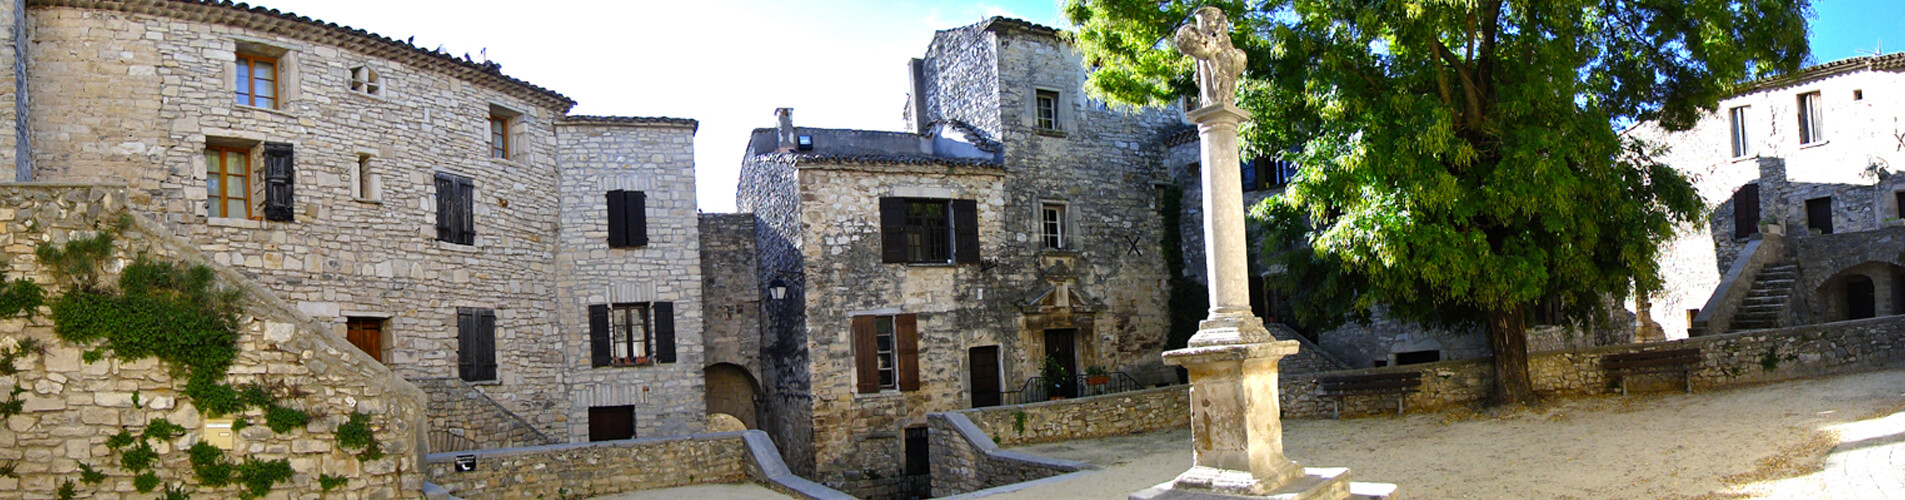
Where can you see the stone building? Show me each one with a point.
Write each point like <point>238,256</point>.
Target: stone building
<point>411,200</point>
<point>1799,174</point>
<point>1013,225</point>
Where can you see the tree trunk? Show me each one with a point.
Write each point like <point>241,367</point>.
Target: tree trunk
<point>1508,338</point>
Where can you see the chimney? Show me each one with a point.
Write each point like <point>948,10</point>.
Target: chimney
<point>786,118</point>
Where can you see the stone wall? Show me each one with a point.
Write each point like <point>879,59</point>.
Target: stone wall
<point>606,468</point>
<point>71,407</point>
<point>731,291</point>
<point>768,189</point>
<point>144,113</point>
<point>656,157</point>
<point>965,459</point>
<point>463,418</point>
<point>1726,360</point>
<point>1084,418</point>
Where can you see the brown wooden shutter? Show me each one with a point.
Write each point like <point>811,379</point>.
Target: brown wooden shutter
<point>280,182</point>
<point>664,313</point>
<point>618,219</point>
<point>466,343</point>
<point>1746,211</point>
<point>637,218</point>
<point>865,363</point>
<point>599,347</point>
<point>446,207</point>
<point>486,344</point>
<point>965,221</point>
<point>906,335</point>
<point>893,230</point>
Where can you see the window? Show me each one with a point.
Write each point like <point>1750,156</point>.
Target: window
<point>257,80</point>
<point>631,334</point>
<point>1418,357</point>
<point>886,352</point>
<point>227,182</point>
<point>366,81</point>
<point>628,219</point>
<point>476,344</point>
<point>364,183</point>
<point>1819,214</point>
<point>1858,95</point>
<point>1052,220</point>
<point>929,231</point>
<point>456,204</point>
<point>611,423</point>
<point>1811,119</point>
<point>1047,104</point>
<point>1742,145</point>
<point>498,137</point>
<point>367,334</point>
<point>1267,173</point>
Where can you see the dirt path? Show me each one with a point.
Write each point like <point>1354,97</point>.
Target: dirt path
<point>1766,441</point>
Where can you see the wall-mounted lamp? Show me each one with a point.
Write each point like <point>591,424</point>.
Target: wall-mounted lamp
<point>777,289</point>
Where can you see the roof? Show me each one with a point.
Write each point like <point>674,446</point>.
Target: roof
<point>630,120</point>
<point>998,23</point>
<point>835,146</point>
<point>797,159</point>
<point>292,25</point>
<point>1887,62</point>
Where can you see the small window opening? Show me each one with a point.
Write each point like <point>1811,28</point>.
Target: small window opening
<point>1047,101</point>
<point>1858,94</point>
<point>367,81</point>
<point>1053,225</point>
<point>1418,357</point>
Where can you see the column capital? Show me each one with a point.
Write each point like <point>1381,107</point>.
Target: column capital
<point>1218,114</point>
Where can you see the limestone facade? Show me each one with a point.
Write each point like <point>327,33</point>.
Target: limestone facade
<point>1848,170</point>
<point>137,93</point>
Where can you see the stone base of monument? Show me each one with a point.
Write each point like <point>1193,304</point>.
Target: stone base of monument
<point>1317,483</point>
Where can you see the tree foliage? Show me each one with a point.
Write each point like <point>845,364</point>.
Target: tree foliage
<point>1459,158</point>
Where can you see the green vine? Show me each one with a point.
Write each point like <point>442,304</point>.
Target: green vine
<point>1189,301</point>
<point>89,476</point>
<point>329,482</point>
<point>19,296</point>
<point>13,405</point>
<point>8,355</point>
<point>67,491</point>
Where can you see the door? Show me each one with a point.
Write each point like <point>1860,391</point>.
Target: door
<point>984,365</point>
<point>1061,347</point>
<point>368,335</point>
<point>1860,301</point>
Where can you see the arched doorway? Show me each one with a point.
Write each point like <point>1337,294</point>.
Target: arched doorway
<point>1859,301</point>
<point>1862,291</point>
<point>731,390</point>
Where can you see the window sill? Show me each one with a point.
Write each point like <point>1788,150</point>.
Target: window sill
<point>883,394</point>
<point>628,364</point>
<point>278,112</point>
<point>930,264</point>
<point>234,222</point>
<point>1811,145</point>
<point>373,201</point>
<point>483,382</point>
<point>1058,252</point>
<point>1738,159</point>
<point>454,247</point>
<point>1048,132</point>
<point>367,95</point>
<point>505,161</point>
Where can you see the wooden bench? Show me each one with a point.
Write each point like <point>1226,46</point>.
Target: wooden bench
<point>1399,384</point>
<point>1683,361</point>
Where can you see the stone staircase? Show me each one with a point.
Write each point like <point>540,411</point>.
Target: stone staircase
<point>1766,302</point>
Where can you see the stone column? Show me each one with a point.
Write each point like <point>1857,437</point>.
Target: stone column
<point>1224,236</point>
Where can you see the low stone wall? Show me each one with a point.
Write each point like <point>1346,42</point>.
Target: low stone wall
<point>1726,360</point>
<point>463,418</point>
<point>965,452</point>
<point>70,406</point>
<point>1084,418</point>
<point>605,468</point>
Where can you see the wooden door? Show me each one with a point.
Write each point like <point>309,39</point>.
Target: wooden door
<point>1061,346</point>
<point>368,335</point>
<point>984,365</point>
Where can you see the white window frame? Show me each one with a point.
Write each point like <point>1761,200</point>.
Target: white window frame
<point>626,348</point>
<point>1742,141</point>
<point>1811,118</point>
<point>1053,233</point>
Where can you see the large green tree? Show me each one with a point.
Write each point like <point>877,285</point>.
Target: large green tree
<point>1460,158</point>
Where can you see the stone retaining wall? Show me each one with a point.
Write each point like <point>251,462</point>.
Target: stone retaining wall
<point>463,418</point>
<point>605,468</point>
<point>1726,360</point>
<point>965,452</point>
<point>71,406</point>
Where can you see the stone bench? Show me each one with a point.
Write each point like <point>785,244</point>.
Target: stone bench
<point>1381,384</point>
<point>1683,361</point>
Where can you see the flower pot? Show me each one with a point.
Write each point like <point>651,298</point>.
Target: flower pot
<point>1098,380</point>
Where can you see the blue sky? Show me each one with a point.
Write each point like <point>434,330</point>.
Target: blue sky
<point>729,63</point>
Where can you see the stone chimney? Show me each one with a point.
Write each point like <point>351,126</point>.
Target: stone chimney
<point>786,119</point>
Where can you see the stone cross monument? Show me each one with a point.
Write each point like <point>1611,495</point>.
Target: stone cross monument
<point>1236,426</point>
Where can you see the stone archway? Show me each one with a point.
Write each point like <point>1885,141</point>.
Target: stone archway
<point>1862,291</point>
<point>732,391</point>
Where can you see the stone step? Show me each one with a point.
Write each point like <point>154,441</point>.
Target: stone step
<point>1761,294</point>
<point>1371,491</point>
<point>1772,283</point>
<point>1772,300</point>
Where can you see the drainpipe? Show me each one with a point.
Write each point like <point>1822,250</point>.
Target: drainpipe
<point>22,143</point>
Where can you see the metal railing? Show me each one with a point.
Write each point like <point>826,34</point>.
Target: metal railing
<point>1037,389</point>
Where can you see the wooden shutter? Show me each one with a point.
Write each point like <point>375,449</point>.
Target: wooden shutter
<point>466,344</point>
<point>637,207</point>
<point>599,335</point>
<point>446,207</point>
<point>280,181</point>
<point>486,344</point>
<point>664,313</point>
<point>466,197</point>
<point>893,230</point>
<point>906,336</point>
<point>618,219</point>
<point>865,365</point>
<point>965,221</point>
<point>1746,211</point>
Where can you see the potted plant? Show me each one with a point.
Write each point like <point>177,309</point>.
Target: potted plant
<point>1096,375</point>
<point>1054,376</point>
